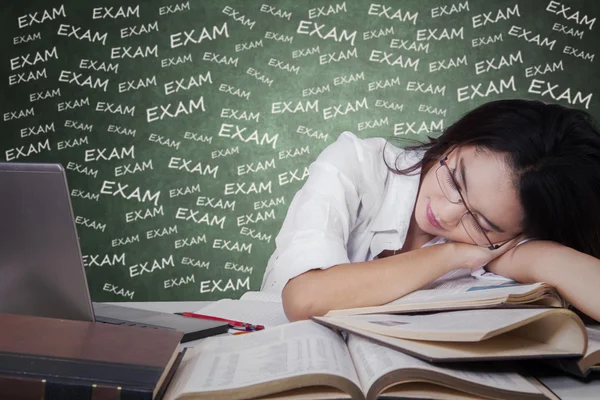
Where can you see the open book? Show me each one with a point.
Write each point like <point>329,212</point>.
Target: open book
<point>590,360</point>
<point>466,292</point>
<point>303,360</point>
<point>473,335</point>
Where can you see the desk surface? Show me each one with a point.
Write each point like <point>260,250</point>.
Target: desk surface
<point>566,387</point>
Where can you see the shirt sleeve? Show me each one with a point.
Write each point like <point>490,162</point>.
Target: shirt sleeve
<point>315,232</point>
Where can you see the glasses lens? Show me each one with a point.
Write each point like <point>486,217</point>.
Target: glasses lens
<point>447,184</point>
<point>474,230</point>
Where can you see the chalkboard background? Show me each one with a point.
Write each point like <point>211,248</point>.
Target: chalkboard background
<point>186,127</point>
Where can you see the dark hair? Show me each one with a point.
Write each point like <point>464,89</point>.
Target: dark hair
<point>554,152</point>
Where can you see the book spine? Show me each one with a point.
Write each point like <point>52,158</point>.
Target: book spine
<point>26,387</point>
<point>65,378</point>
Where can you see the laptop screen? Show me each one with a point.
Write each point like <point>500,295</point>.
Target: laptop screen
<point>41,270</point>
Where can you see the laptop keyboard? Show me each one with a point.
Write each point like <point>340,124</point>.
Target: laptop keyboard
<point>113,321</point>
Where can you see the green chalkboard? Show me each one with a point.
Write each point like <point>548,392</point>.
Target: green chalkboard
<point>187,127</point>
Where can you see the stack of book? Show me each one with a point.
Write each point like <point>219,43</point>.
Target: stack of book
<point>461,339</point>
<point>56,359</point>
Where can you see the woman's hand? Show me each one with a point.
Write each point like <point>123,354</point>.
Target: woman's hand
<point>473,256</point>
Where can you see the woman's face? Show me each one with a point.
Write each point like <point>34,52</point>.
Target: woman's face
<point>484,180</point>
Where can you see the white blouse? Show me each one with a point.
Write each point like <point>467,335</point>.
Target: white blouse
<point>350,209</point>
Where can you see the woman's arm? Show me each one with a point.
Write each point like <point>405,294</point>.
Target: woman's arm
<point>368,283</point>
<point>575,275</point>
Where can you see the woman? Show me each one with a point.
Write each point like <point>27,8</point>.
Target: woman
<point>360,231</point>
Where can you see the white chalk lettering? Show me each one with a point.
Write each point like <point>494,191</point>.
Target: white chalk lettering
<point>48,94</point>
<point>71,166</point>
<point>242,19</point>
<point>102,106</point>
<point>181,108</point>
<point>108,287</point>
<point>291,176</point>
<point>33,58</point>
<point>344,109</point>
<point>28,112</point>
<point>528,37</point>
<point>187,214</point>
<point>243,188</point>
<point>199,168</point>
<point>127,169</point>
<point>72,30</point>
<point>304,26</point>
<point>225,130</point>
<point>74,77</point>
<point>380,10</point>
<point>537,84</point>
<point>88,223</point>
<point>187,83</point>
<point>581,20</point>
<point>182,7</point>
<point>492,18</point>
<point>115,153</point>
<point>197,38</point>
<point>98,66</point>
<point>276,11</point>
<point>325,11</point>
<point>26,151</point>
<point>30,19</point>
<point>107,188</point>
<point>70,105</point>
<point>469,92</point>
<point>183,191</point>
<point>121,12</point>
<point>37,130</point>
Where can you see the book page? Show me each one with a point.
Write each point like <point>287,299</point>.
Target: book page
<point>373,361</point>
<point>466,288</point>
<point>261,296</point>
<point>593,339</point>
<point>228,362</point>
<point>455,326</point>
<point>461,291</point>
<point>267,313</point>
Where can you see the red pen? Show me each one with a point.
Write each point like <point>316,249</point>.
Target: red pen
<point>232,323</point>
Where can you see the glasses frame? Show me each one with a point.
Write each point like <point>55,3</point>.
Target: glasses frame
<point>443,164</point>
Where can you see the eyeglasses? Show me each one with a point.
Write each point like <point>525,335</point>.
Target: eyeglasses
<point>469,220</point>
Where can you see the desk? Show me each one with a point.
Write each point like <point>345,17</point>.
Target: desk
<point>566,387</point>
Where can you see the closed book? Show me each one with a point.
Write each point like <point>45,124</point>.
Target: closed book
<point>47,358</point>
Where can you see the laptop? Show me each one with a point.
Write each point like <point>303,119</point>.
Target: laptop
<point>41,268</point>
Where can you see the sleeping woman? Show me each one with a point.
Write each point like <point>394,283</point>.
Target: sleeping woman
<point>513,186</point>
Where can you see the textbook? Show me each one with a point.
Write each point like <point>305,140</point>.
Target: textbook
<point>48,358</point>
<point>473,335</point>
<point>304,360</point>
<point>590,360</point>
<point>458,292</point>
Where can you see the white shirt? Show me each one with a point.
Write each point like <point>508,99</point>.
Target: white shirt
<point>350,209</point>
